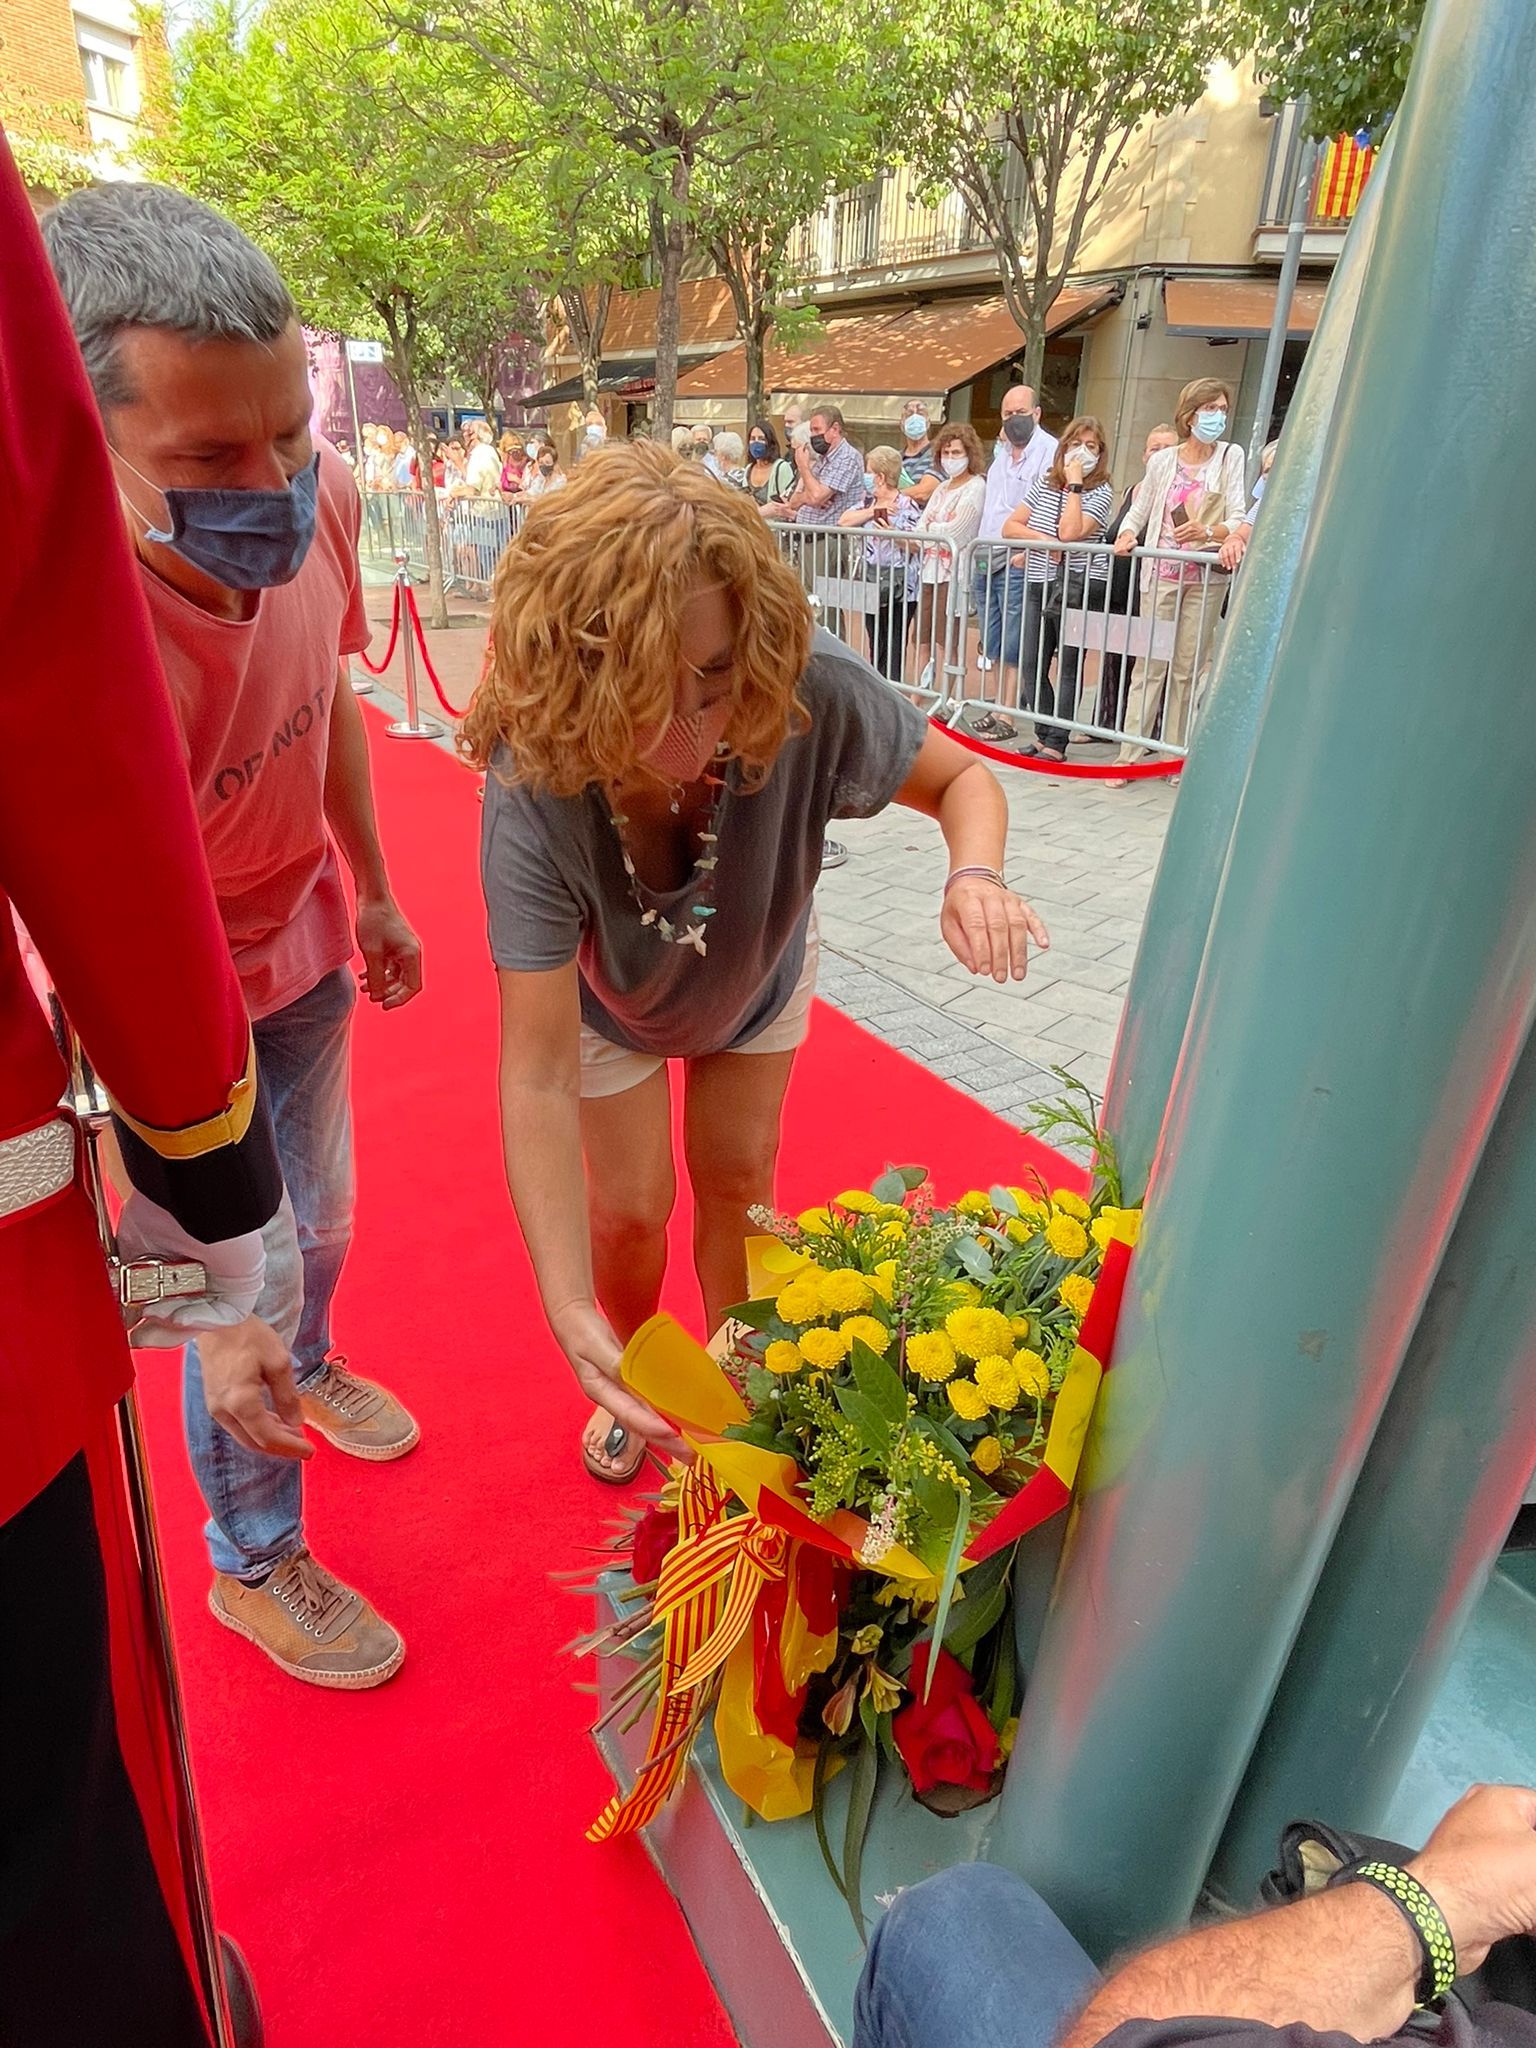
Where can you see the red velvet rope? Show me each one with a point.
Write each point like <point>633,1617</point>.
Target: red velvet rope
<point>426,659</point>
<point>1108,771</point>
<point>394,635</point>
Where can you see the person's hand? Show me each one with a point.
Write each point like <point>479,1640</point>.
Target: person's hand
<point>1479,1867</point>
<point>249,1391</point>
<point>585,1336</point>
<point>1233,548</point>
<point>391,953</point>
<point>1192,535</point>
<point>1076,462</point>
<point>1125,541</point>
<point>988,928</point>
<point>1018,561</point>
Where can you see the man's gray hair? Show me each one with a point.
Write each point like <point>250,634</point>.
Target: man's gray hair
<point>145,256</point>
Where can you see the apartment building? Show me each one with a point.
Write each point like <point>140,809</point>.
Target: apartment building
<point>76,81</point>
<point>1176,279</point>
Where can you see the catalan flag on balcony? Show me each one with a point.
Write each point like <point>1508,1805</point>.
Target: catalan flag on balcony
<point>1341,178</point>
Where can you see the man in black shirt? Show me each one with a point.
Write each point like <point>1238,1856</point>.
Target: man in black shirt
<point>975,1959</point>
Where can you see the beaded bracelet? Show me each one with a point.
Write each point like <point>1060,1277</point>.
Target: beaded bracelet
<point>1426,1920</point>
<point>986,874</point>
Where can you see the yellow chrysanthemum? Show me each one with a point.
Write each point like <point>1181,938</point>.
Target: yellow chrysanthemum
<point>931,1356</point>
<point>783,1357</point>
<point>1070,1204</point>
<point>1102,1228</point>
<point>1029,1203</point>
<point>800,1301</point>
<point>815,1222</point>
<point>868,1330</point>
<point>883,1279</point>
<point>1018,1230</point>
<point>1077,1291</point>
<point>967,1400</point>
<point>978,1332</point>
<point>1032,1374</point>
<point>1021,1326</point>
<point>987,1456</point>
<point>858,1203</point>
<point>823,1348</point>
<point>845,1292</point>
<point>998,1381</point>
<point>974,1204</point>
<point>1066,1237</point>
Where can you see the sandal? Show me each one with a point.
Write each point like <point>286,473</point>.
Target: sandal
<point>613,1446</point>
<point>990,727</point>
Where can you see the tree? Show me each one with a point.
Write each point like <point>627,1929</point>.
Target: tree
<point>49,141</point>
<point>478,334</point>
<point>1027,106</point>
<point>649,96</point>
<point>295,124</point>
<point>1350,57</point>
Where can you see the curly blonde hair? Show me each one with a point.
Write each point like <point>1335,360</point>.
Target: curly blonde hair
<point>585,646</point>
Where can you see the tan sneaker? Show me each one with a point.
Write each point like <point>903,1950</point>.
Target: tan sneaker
<point>310,1623</point>
<point>358,1416</point>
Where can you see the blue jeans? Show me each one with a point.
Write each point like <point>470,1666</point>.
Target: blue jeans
<point>998,596</point>
<point>256,1502</point>
<point>971,1958</point>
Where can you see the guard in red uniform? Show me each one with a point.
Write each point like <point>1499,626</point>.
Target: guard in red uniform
<point>101,856</point>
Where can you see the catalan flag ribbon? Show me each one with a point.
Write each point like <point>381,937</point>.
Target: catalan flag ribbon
<point>1341,178</point>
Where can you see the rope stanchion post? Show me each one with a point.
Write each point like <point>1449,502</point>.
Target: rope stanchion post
<point>413,726</point>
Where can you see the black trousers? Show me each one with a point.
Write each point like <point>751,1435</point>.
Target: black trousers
<point>88,1954</point>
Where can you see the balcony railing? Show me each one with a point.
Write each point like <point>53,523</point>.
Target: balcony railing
<point>887,223</point>
<point>1343,165</point>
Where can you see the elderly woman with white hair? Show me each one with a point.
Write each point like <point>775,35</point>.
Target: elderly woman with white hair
<point>731,454</point>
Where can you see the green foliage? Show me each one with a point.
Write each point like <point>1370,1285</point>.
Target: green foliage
<point>48,141</point>
<point>1351,57</point>
<point>1027,110</point>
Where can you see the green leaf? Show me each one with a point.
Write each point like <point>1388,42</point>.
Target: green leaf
<point>757,1315</point>
<point>938,1501</point>
<point>975,1618</point>
<point>973,1258</point>
<point>819,1778</point>
<point>1002,1201</point>
<point>761,1385</point>
<point>867,1420</point>
<point>1005,1683</point>
<point>891,1186</point>
<point>880,1384</point>
<point>947,1586</point>
<point>861,1800</point>
<point>912,1177</point>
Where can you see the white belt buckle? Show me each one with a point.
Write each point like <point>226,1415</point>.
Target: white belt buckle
<point>143,1282</point>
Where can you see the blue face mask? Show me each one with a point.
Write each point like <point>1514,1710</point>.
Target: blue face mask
<point>1258,489</point>
<point>870,479</point>
<point>1210,425</point>
<point>246,540</point>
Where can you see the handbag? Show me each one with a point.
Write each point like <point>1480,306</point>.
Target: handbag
<point>1314,1856</point>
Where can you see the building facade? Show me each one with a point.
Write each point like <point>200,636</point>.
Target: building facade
<point>78,79</point>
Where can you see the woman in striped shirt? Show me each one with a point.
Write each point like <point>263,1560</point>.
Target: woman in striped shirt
<point>1072,500</point>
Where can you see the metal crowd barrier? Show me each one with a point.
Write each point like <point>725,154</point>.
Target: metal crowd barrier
<point>474,533</point>
<point>1059,641</point>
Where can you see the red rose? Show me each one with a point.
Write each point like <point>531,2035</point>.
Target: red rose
<point>655,1535</point>
<point>945,1739</point>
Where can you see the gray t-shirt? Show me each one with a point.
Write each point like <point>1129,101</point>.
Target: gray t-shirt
<point>555,887</point>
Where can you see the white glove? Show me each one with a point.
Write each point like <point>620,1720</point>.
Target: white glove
<point>236,1268</point>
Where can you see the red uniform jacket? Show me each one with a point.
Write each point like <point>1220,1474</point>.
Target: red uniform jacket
<point>101,855</point>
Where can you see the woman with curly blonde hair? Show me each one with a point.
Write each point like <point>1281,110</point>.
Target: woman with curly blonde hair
<point>667,738</point>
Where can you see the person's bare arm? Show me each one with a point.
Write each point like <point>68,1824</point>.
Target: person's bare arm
<point>986,927</point>
<point>390,949</point>
<point>541,1142</point>
<point>1345,1961</point>
<point>924,488</point>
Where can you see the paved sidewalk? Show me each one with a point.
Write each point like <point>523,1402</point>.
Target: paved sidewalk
<point>1085,857</point>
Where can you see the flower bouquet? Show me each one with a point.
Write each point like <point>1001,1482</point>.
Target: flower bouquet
<point>904,1395</point>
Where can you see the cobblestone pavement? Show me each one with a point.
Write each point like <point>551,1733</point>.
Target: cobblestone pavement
<point>1085,857</point>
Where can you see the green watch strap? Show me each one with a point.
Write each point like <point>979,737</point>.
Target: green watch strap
<point>1427,1921</point>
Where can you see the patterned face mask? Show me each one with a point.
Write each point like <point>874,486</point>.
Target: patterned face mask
<point>684,747</point>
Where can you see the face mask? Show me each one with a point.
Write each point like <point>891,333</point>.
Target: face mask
<point>684,747</point>
<point>757,450</point>
<point>246,540</point>
<point>596,433</point>
<point>1019,428</point>
<point>547,468</point>
<point>914,426</point>
<point>870,479</point>
<point>1087,456</point>
<point>954,465</point>
<point>1258,489</point>
<point>1210,425</point>
<point>819,444</point>
<point>532,451</point>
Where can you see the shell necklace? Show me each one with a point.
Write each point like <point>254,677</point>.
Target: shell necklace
<point>689,930</point>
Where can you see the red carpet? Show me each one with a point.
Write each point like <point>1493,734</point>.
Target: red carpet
<point>406,1868</point>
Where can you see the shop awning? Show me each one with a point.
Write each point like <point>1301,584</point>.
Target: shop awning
<point>920,352</point>
<point>1238,308</point>
<point>613,377</point>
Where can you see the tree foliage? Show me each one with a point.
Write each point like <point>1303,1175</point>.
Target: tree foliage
<point>297,124</point>
<point>1350,57</point>
<point>1028,109</point>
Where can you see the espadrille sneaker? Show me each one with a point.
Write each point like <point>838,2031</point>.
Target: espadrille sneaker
<point>311,1624</point>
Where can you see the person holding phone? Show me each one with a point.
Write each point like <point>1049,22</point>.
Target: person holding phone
<point>891,565</point>
<point>1190,497</point>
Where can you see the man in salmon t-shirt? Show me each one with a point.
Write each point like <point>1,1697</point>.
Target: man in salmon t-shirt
<point>247,543</point>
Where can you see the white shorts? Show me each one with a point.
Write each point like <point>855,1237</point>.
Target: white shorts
<point>609,1069</point>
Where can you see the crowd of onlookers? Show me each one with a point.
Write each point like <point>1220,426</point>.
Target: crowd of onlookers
<point>1013,565</point>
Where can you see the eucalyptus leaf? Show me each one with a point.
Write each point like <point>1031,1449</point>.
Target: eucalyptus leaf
<point>1002,1201</point>
<point>973,1257</point>
<point>912,1177</point>
<point>890,1187</point>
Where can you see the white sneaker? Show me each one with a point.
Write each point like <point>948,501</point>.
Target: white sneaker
<point>984,662</point>
<point>928,678</point>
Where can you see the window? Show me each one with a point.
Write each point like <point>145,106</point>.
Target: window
<point>106,63</point>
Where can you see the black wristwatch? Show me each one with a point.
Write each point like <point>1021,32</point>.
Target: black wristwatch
<point>1074,490</point>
